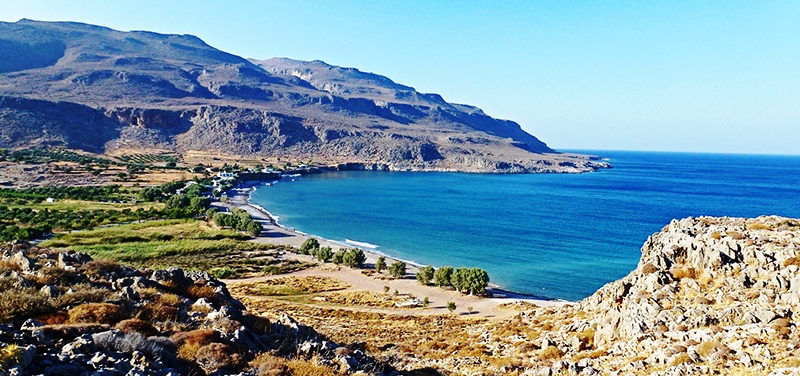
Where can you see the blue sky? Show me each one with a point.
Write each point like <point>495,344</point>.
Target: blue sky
<point>668,76</point>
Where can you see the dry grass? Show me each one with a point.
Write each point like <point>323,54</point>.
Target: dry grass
<point>706,348</point>
<point>137,326</point>
<point>681,272</point>
<point>216,356</point>
<point>759,226</point>
<point>362,298</point>
<point>735,235</point>
<point>189,343</point>
<point>681,359</point>
<point>299,367</point>
<point>289,286</point>
<point>550,352</point>
<point>100,313</point>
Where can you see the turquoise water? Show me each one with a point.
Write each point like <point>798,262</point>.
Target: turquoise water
<point>555,236</point>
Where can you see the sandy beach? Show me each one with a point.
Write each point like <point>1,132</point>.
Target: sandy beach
<point>274,233</point>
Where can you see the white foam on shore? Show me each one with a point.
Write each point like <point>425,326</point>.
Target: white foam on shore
<point>372,248</point>
<point>361,244</point>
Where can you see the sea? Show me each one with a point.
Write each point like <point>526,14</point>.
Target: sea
<point>555,236</point>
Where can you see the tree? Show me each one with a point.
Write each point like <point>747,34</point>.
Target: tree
<point>451,306</point>
<point>397,269</point>
<point>354,258</point>
<point>426,302</point>
<point>425,275</point>
<point>338,257</point>
<point>478,280</point>
<point>308,245</point>
<point>325,254</point>
<point>472,281</point>
<point>459,279</point>
<point>254,228</point>
<point>442,276</point>
<point>380,265</point>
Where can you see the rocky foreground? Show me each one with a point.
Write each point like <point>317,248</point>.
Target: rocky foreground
<point>65,314</point>
<point>710,296</point>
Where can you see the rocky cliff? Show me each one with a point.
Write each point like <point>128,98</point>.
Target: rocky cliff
<point>709,296</point>
<point>96,89</point>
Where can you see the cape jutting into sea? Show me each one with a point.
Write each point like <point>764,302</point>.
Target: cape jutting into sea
<point>550,235</point>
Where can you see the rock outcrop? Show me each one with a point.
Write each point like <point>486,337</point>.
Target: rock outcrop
<point>709,295</point>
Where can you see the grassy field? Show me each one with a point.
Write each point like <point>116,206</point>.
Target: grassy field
<point>76,205</point>
<point>189,244</point>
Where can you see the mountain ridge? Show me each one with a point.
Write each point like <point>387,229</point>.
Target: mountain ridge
<point>224,103</point>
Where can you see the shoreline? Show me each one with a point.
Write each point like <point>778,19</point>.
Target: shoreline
<point>290,236</point>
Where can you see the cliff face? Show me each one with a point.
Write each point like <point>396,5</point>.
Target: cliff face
<point>60,82</point>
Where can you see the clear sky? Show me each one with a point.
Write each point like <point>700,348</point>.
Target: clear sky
<point>700,76</point>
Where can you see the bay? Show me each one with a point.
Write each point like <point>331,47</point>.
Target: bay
<point>550,235</point>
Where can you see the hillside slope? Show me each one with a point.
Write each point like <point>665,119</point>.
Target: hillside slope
<point>62,81</point>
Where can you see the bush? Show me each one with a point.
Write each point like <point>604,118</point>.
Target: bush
<point>397,269</point>
<point>451,306</point>
<point>324,254</point>
<point>189,343</point>
<point>215,356</point>
<point>128,343</point>
<point>23,303</point>
<point>100,313</point>
<point>266,364</point>
<point>380,265</point>
<point>338,257</point>
<point>354,258</point>
<point>222,272</point>
<point>137,326</point>
<point>309,245</point>
<point>425,275</point>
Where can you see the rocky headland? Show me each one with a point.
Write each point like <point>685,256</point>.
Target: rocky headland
<point>90,88</point>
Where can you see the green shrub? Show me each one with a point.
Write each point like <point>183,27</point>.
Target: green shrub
<point>222,272</point>
<point>397,269</point>
<point>425,275</point>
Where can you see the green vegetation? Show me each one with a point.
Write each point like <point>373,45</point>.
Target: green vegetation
<point>240,220</point>
<point>441,277</point>
<point>186,243</point>
<point>451,306</point>
<point>309,246</point>
<point>325,254</point>
<point>41,155</point>
<point>397,269</point>
<point>380,265</point>
<point>148,158</point>
<point>354,258</point>
<point>425,275</point>
<point>29,216</point>
<point>473,281</point>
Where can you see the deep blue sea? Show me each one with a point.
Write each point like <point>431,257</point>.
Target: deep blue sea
<point>551,235</point>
